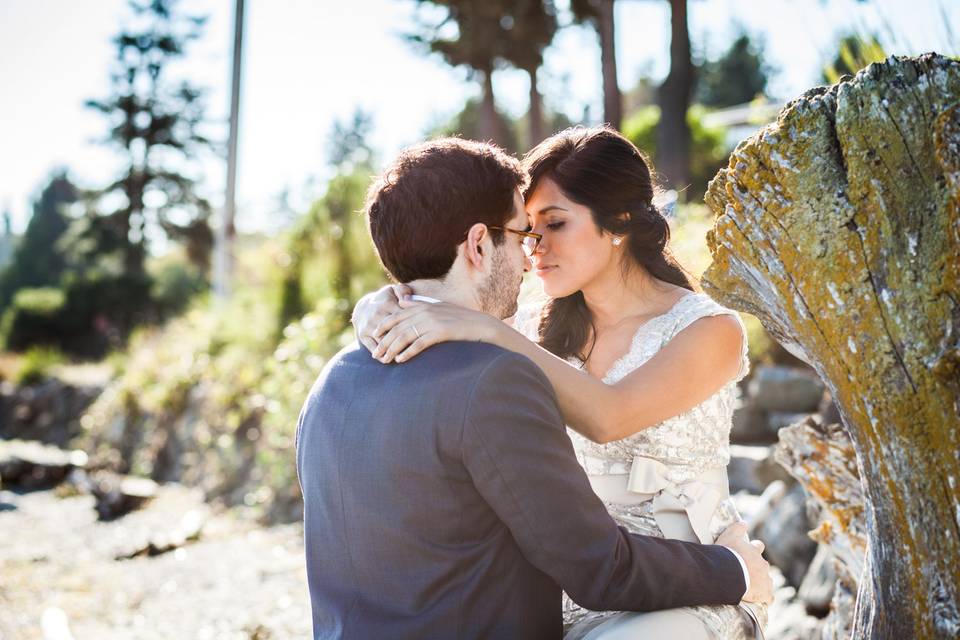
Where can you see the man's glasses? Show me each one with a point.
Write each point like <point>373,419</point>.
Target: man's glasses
<point>530,240</point>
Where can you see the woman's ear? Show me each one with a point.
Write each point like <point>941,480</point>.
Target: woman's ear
<point>473,245</point>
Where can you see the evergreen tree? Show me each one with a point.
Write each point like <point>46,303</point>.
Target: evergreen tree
<point>738,76</point>
<point>38,260</point>
<point>155,124</point>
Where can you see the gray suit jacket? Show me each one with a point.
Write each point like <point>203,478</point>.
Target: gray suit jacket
<point>442,499</point>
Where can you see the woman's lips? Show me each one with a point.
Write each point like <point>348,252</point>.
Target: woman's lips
<point>545,269</point>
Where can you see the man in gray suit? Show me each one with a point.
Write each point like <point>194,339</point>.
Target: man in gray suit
<point>442,497</point>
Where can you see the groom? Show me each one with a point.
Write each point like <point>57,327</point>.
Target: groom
<point>442,497</point>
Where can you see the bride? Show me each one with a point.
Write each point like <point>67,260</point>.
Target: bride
<point>643,365</point>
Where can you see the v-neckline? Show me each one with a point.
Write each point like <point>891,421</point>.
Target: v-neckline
<point>633,339</point>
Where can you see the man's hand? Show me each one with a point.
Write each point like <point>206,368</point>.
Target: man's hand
<point>761,585</point>
<point>374,307</point>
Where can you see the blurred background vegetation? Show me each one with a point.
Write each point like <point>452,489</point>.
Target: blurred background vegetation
<point>206,389</point>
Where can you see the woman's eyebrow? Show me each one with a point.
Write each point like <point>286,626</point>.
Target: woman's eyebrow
<point>550,207</point>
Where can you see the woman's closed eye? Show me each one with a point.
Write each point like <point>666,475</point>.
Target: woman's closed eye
<point>553,226</point>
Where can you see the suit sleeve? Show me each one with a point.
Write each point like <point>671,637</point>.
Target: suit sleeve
<point>516,449</point>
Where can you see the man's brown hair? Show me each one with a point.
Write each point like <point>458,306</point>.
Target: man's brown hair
<point>421,208</point>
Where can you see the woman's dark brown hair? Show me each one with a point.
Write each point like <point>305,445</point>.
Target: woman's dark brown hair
<point>602,170</point>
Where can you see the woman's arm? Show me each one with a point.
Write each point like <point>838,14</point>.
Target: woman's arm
<point>688,370</point>
<point>692,367</point>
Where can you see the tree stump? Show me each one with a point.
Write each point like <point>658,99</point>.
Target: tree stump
<point>839,227</point>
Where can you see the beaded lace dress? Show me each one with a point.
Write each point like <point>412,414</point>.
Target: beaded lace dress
<point>678,452</point>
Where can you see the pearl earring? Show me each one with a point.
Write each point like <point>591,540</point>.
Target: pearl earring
<point>617,240</point>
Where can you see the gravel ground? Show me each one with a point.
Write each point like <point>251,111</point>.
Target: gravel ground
<point>239,580</point>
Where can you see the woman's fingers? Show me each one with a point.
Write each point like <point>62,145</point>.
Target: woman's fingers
<point>416,347</point>
<point>400,328</point>
<point>395,318</point>
<point>371,309</point>
<point>406,334</point>
<point>369,343</point>
<point>396,340</point>
<point>365,326</point>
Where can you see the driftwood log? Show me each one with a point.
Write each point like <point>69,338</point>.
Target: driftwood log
<point>822,458</point>
<point>839,227</point>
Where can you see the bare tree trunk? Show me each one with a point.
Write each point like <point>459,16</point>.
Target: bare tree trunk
<point>489,124</point>
<point>673,133</point>
<point>612,102</point>
<point>132,232</point>
<point>839,227</point>
<point>535,115</point>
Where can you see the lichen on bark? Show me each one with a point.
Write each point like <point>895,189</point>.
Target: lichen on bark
<point>822,458</point>
<point>839,227</point>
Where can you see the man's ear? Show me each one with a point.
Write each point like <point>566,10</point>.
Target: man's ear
<point>473,245</point>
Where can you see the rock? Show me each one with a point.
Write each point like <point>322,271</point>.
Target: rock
<point>187,530</point>
<point>31,465</point>
<point>818,585</point>
<point>118,495</point>
<point>785,390</point>
<point>777,420</point>
<point>838,227</point>
<point>784,532</point>
<point>48,412</point>
<point>750,425</point>
<point>752,468</point>
<point>829,413</point>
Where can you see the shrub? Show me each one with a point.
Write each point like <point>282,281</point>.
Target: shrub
<point>36,364</point>
<point>708,152</point>
<point>175,283</point>
<point>34,317</point>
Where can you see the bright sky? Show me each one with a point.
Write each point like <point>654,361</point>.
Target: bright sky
<point>309,62</point>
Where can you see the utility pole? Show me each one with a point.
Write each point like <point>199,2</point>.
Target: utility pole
<point>226,231</point>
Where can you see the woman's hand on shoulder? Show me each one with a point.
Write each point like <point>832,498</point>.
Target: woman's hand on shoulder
<point>418,325</point>
<point>373,308</point>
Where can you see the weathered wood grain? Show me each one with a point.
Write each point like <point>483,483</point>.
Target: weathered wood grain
<point>839,227</point>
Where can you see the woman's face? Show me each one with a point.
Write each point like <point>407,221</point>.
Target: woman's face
<point>574,250</point>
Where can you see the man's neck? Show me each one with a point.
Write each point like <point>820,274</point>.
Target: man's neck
<point>444,293</point>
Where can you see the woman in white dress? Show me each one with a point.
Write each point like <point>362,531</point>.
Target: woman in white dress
<point>644,367</point>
